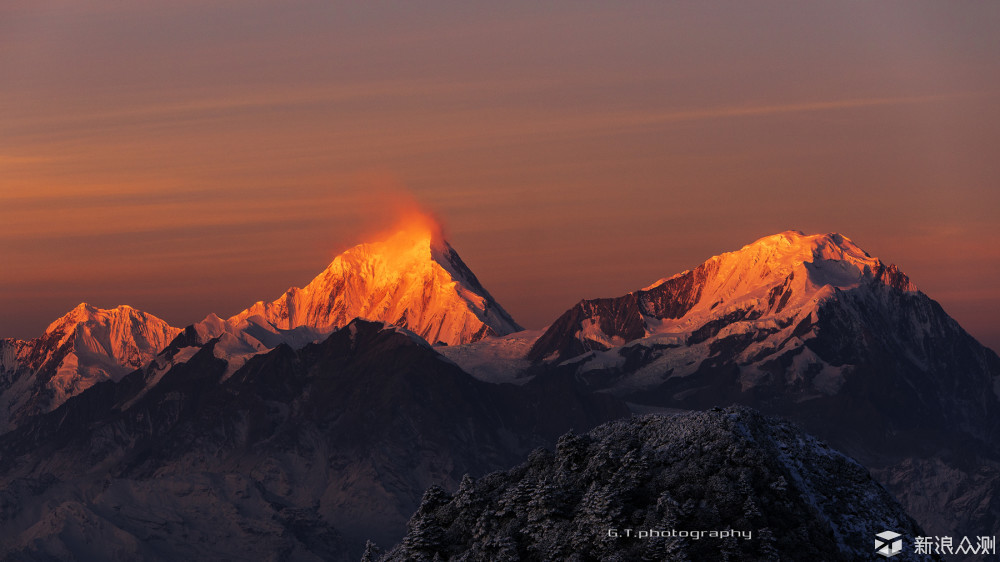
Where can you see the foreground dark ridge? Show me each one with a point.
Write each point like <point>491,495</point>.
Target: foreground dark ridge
<point>768,490</point>
<point>299,454</point>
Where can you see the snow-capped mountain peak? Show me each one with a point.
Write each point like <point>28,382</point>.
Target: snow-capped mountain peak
<point>784,272</point>
<point>828,259</point>
<point>83,347</point>
<point>773,283</point>
<point>126,336</point>
<point>412,278</point>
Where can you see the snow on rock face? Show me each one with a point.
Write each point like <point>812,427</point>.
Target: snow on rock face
<point>777,280</point>
<point>789,270</point>
<point>496,360</point>
<point>125,335</point>
<point>776,276</point>
<point>785,272</point>
<point>410,279</point>
<point>86,346</point>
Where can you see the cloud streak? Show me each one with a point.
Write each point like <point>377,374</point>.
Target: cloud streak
<point>802,107</point>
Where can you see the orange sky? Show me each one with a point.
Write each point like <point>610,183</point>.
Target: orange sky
<point>187,159</point>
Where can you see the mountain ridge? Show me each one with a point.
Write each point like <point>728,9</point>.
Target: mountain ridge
<point>412,278</point>
<point>775,276</point>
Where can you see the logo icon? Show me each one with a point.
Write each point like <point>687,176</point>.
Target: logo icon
<point>888,544</point>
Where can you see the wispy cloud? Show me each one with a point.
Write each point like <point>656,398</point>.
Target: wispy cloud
<point>800,107</point>
<point>624,121</point>
<point>471,127</point>
<point>195,103</point>
<point>11,160</point>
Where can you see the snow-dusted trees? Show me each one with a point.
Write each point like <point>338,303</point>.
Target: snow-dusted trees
<point>425,534</point>
<point>643,489</point>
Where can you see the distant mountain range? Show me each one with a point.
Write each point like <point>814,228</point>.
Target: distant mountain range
<point>411,279</point>
<point>302,426</point>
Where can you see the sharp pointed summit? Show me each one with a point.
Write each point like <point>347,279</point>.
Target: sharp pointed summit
<point>413,279</point>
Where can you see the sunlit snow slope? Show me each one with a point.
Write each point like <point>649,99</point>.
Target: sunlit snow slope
<point>772,284</point>
<point>84,347</point>
<point>412,279</point>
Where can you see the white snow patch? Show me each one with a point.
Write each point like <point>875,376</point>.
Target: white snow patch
<point>494,359</point>
<point>591,330</point>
